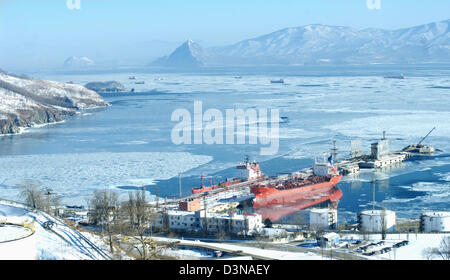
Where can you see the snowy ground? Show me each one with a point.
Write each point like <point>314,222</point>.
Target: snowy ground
<point>60,243</point>
<point>413,251</point>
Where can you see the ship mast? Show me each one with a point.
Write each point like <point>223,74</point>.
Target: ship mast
<point>334,152</point>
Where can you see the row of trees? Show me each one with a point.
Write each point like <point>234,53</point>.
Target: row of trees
<point>126,224</point>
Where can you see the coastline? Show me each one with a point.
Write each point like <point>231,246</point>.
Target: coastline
<point>24,130</point>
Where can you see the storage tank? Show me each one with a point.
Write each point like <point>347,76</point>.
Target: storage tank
<point>372,220</point>
<point>435,222</point>
<point>17,243</point>
<point>323,219</point>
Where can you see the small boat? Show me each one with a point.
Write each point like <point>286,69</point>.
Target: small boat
<point>280,81</point>
<point>401,77</point>
<point>238,77</point>
<point>284,119</point>
<point>132,78</point>
<point>139,83</point>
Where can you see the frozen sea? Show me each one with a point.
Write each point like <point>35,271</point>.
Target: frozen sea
<point>129,144</point>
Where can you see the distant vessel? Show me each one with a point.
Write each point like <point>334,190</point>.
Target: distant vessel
<point>238,77</point>
<point>158,79</point>
<point>132,78</point>
<point>280,81</point>
<point>139,83</point>
<point>246,172</point>
<point>401,77</point>
<point>284,191</point>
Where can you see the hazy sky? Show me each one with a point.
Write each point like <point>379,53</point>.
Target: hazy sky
<point>45,32</point>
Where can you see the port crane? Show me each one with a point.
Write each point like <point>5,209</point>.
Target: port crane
<point>419,148</point>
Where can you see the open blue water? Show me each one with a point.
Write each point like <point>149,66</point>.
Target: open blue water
<point>128,145</point>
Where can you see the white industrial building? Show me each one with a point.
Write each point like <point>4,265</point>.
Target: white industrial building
<point>211,222</point>
<point>373,220</point>
<point>323,219</point>
<point>435,222</point>
<point>234,223</point>
<point>181,220</point>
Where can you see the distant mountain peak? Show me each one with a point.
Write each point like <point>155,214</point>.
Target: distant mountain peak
<point>78,61</point>
<point>188,55</point>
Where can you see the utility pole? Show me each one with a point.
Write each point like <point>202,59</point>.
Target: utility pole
<point>206,215</point>
<point>179,184</point>
<point>157,196</point>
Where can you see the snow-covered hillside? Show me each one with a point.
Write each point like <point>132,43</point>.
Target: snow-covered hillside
<point>61,242</point>
<point>26,102</point>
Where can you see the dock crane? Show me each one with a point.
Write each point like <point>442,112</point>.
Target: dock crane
<point>419,148</point>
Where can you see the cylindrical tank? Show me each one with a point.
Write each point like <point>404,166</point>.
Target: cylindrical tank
<point>373,220</point>
<point>17,243</point>
<point>435,222</point>
<point>323,219</point>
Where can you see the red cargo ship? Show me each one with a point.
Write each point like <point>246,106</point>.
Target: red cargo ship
<point>246,172</point>
<point>284,191</point>
<point>275,213</point>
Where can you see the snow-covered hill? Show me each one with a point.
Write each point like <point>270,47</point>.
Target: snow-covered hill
<point>61,242</point>
<point>319,44</point>
<point>26,102</point>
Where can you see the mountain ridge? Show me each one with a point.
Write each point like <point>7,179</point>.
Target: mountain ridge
<point>319,44</point>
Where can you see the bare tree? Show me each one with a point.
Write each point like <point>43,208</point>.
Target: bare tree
<point>129,207</point>
<point>444,249</point>
<point>141,218</point>
<point>144,245</point>
<point>33,195</point>
<point>104,213</point>
<point>428,253</point>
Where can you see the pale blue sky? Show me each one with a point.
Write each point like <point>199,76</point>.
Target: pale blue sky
<point>104,28</point>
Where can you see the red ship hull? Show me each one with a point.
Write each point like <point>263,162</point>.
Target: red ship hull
<point>275,213</point>
<point>270,196</point>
